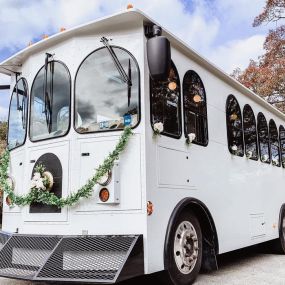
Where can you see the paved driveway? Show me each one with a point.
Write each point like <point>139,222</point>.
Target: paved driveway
<point>245,267</point>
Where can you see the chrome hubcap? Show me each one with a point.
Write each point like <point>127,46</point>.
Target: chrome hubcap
<point>186,248</point>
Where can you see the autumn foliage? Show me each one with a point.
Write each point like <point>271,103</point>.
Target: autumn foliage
<point>266,76</point>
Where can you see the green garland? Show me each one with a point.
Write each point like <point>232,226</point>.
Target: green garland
<point>49,198</point>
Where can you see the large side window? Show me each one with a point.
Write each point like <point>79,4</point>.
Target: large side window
<point>274,143</point>
<point>250,134</point>
<point>18,115</point>
<point>166,102</point>
<point>50,102</point>
<point>195,108</point>
<point>234,126</point>
<point>282,144</point>
<point>107,91</point>
<point>263,138</point>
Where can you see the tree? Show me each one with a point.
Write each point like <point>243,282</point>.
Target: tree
<point>266,76</point>
<point>3,135</point>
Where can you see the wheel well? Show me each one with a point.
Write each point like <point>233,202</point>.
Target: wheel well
<point>210,238</point>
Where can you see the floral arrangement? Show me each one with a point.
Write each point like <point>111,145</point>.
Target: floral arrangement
<point>234,149</point>
<point>41,182</point>
<point>249,154</point>
<point>158,128</point>
<point>190,138</point>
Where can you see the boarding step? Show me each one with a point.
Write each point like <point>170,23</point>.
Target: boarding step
<point>92,259</point>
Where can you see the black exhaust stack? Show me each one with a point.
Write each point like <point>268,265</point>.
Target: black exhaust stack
<point>158,53</point>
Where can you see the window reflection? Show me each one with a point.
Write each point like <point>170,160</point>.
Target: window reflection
<point>195,107</point>
<point>282,144</point>
<point>234,126</point>
<point>263,138</point>
<point>18,115</point>
<point>250,134</point>
<point>274,143</point>
<point>103,101</point>
<point>50,110</point>
<point>165,103</point>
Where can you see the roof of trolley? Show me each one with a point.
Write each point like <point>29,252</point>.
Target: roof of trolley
<point>14,62</point>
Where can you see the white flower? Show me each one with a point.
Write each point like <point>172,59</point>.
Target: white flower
<point>264,157</point>
<point>158,127</point>
<point>33,184</point>
<point>249,154</point>
<point>40,184</point>
<point>191,137</point>
<point>234,148</point>
<point>37,176</point>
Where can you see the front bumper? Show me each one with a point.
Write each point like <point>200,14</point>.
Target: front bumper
<point>90,259</point>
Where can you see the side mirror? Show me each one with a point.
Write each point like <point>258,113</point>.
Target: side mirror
<point>158,55</point>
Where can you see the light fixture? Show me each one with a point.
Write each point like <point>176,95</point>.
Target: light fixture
<point>11,182</point>
<point>130,6</point>
<point>172,85</point>
<point>233,117</point>
<point>45,36</point>
<point>104,195</point>
<point>150,208</point>
<point>197,98</point>
<point>106,179</point>
<point>8,201</point>
<point>62,29</point>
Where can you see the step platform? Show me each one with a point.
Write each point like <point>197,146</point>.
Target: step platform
<point>83,259</point>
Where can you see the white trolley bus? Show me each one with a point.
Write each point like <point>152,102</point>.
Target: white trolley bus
<point>201,175</point>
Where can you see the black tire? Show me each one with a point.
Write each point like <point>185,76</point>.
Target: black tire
<point>279,244</point>
<point>173,274</point>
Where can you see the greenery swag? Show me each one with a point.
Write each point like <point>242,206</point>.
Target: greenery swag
<point>48,198</point>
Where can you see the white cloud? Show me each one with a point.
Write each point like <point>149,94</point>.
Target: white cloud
<point>237,53</point>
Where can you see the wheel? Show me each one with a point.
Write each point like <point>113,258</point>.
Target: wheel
<point>279,244</point>
<point>183,255</point>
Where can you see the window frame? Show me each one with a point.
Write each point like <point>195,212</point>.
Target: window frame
<point>139,92</point>
<point>70,103</point>
<point>256,132</point>
<point>269,150</point>
<point>241,114</point>
<point>271,121</point>
<point>280,145</point>
<point>27,114</point>
<point>206,105</point>
<point>179,106</point>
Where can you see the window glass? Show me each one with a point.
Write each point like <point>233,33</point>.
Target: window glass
<point>234,126</point>
<point>263,138</point>
<point>274,143</point>
<point>50,102</point>
<point>282,144</point>
<point>195,107</point>
<point>103,100</point>
<point>18,115</point>
<point>250,134</point>
<point>165,103</point>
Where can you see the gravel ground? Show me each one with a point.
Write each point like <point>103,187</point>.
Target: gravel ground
<point>243,267</point>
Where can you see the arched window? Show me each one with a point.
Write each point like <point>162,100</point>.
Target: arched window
<point>50,102</point>
<point>282,144</point>
<point>107,91</point>
<point>274,143</point>
<point>263,138</point>
<point>234,126</point>
<point>195,108</point>
<point>166,102</point>
<point>17,125</point>
<point>250,134</point>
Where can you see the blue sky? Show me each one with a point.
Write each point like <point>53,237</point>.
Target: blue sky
<point>221,30</point>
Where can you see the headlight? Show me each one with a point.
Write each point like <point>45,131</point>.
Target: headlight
<point>11,182</point>
<point>104,195</point>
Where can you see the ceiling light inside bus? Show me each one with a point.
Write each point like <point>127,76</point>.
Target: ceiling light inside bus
<point>172,85</point>
<point>106,179</point>
<point>197,98</point>
<point>104,195</point>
